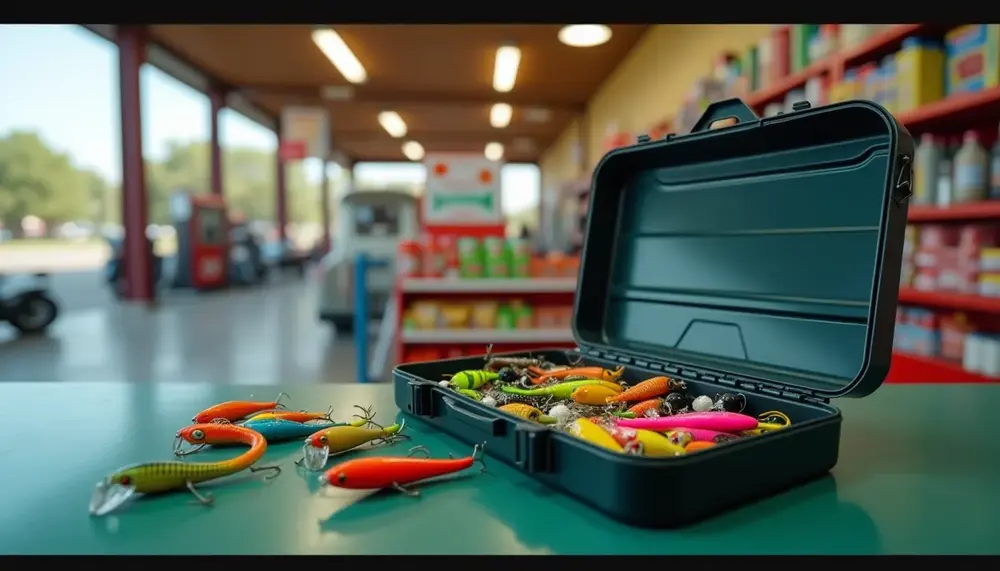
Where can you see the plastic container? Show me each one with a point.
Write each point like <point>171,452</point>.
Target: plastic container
<point>973,60</point>
<point>971,170</point>
<point>718,287</point>
<point>919,74</point>
<point>926,162</point>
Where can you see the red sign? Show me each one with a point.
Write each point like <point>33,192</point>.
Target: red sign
<point>292,150</point>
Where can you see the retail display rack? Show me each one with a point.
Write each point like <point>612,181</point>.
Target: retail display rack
<point>977,111</point>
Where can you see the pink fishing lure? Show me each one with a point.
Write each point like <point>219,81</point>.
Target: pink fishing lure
<point>702,435</point>
<point>719,421</point>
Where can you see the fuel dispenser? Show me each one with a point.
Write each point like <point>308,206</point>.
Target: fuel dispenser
<point>203,245</point>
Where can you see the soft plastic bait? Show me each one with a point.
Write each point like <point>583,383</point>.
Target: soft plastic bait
<point>562,390</point>
<point>540,376</point>
<point>719,421</point>
<point>648,389</point>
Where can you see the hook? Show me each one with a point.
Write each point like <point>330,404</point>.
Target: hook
<point>275,469</point>
<point>277,401</point>
<point>419,449</point>
<point>478,455</point>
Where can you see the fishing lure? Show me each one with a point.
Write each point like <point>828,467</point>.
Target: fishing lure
<point>656,445</point>
<point>154,477</point>
<point>594,395</point>
<point>699,445</point>
<point>541,376</point>
<point>508,375</point>
<point>702,435</point>
<point>294,416</point>
<point>650,388</point>
<point>496,363</point>
<point>769,421</point>
<point>381,472</point>
<point>562,390</point>
<point>277,430</point>
<point>594,434</point>
<point>719,421</point>
<point>237,409</point>
<point>322,444</point>
<point>703,403</point>
<point>472,379</point>
<point>676,403</point>
<point>527,412</point>
<point>651,405</point>
<point>474,395</point>
<point>730,402</point>
<point>679,437</point>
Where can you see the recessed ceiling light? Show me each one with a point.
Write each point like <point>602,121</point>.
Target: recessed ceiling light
<point>392,123</point>
<point>584,35</point>
<point>333,47</point>
<point>505,68</point>
<point>500,115</point>
<point>493,151</point>
<point>413,151</point>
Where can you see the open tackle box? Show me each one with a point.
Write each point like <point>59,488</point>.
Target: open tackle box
<point>762,258</point>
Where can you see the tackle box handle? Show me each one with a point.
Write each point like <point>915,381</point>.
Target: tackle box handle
<point>492,426</point>
<point>726,109</point>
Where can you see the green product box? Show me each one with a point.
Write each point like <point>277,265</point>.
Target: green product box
<point>470,258</point>
<point>506,319</point>
<point>520,257</point>
<point>497,257</point>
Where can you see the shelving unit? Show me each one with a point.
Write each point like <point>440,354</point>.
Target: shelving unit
<point>951,115</point>
<point>534,291</point>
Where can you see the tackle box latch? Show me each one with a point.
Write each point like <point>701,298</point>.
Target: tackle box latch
<point>421,399</point>
<point>532,450</point>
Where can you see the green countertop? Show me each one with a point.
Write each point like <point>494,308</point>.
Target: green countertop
<point>919,472</point>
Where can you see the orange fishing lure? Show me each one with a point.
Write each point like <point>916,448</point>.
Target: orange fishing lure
<point>541,376</point>
<point>698,445</point>
<point>648,389</point>
<point>295,416</point>
<point>237,409</point>
<point>380,472</point>
<point>641,408</point>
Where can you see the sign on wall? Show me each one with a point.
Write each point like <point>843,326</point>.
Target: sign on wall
<point>305,133</point>
<point>462,190</point>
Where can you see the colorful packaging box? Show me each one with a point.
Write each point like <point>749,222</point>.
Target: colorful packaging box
<point>973,61</point>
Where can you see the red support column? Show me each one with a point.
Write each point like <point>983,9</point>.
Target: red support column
<point>217,100</point>
<point>137,257</point>
<point>324,201</point>
<point>282,198</point>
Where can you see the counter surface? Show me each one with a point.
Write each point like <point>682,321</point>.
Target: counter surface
<point>919,472</point>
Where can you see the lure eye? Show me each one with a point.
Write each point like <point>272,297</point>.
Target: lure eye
<point>125,480</point>
<point>532,415</point>
<point>341,477</point>
<point>197,434</point>
<point>323,439</point>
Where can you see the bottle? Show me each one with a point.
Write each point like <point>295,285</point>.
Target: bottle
<point>995,171</point>
<point>944,181</point>
<point>926,162</point>
<point>971,165</point>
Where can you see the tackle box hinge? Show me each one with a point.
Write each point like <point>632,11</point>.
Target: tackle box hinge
<point>642,138</point>
<point>421,398</point>
<point>532,450</point>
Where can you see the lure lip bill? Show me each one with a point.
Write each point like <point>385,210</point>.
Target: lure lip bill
<point>108,496</point>
<point>314,457</point>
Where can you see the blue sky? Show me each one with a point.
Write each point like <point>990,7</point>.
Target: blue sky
<point>62,81</point>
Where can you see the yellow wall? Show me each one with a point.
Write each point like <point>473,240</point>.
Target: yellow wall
<point>647,87</point>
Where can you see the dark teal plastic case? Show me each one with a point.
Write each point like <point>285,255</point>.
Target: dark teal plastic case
<point>761,258</point>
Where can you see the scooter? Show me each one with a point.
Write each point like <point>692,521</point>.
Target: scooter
<point>27,305</point>
<point>114,270</point>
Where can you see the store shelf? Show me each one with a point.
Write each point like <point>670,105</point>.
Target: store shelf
<point>486,336</point>
<point>944,113</point>
<point>907,368</point>
<point>509,285</point>
<point>953,301</point>
<point>774,92</point>
<point>879,44</point>
<point>986,210</point>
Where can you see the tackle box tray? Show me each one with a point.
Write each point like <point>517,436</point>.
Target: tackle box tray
<point>761,258</point>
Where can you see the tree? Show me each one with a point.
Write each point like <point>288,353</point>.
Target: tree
<point>36,180</point>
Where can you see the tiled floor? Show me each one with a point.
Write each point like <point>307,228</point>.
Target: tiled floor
<point>263,335</point>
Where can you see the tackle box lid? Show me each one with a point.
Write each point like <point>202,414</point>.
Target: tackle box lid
<point>767,251</point>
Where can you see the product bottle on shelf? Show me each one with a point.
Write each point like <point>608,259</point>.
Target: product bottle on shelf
<point>995,170</point>
<point>944,181</point>
<point>927,161</point>
<point>971,165</point>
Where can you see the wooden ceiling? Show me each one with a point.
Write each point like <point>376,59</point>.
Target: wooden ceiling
<point>437,77</point>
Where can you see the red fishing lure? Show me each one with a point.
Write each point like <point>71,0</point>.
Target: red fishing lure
<point>380,472</point>
<point>235,410</point>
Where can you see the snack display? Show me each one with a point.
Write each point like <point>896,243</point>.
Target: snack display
<point>515,314</point>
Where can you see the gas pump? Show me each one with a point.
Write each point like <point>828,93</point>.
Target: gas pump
<point>202,240</point>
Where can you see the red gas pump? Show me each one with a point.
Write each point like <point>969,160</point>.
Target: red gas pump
<point>202,241</point>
